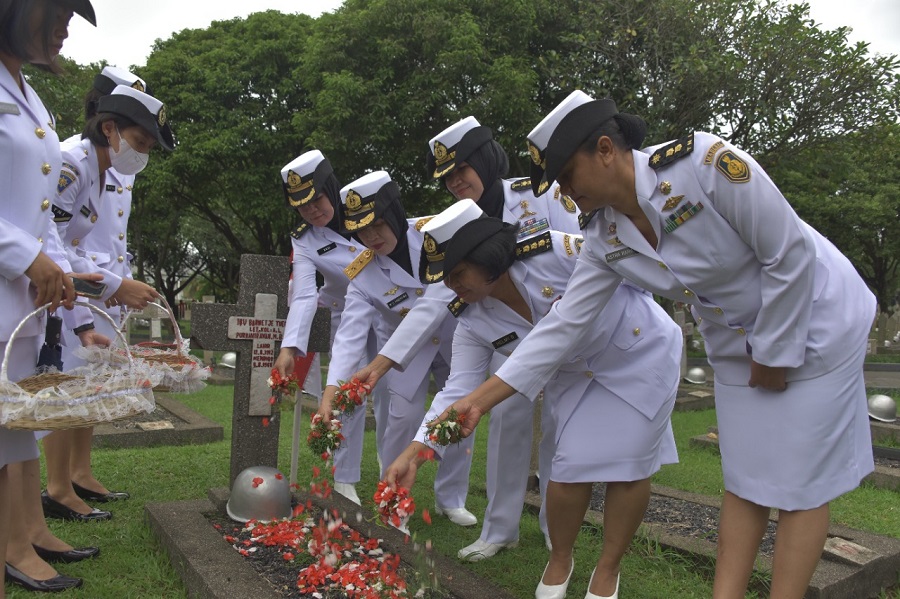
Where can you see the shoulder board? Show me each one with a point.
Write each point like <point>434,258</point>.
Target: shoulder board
<point>671,152</point>
<point>300,230</point>
<point>60,215</point>
<point>534,245</point>
<point>422,222</point>
<point>521,185</point>
<point>457,306</point>
<point>359,263</point>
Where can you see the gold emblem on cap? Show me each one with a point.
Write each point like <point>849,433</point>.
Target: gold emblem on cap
<point>161,116</point>
<point>612,228</point>
<point>294,182</point>
<point>535,154</point>
<point>672,202</point>
<point>547,291</point>
<point>354,200</point>
<point>665,188</point>
<point>429,244</point>
<point>138,85</point>
<point>441,154</point>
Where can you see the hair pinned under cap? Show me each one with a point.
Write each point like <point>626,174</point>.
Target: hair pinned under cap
<point>454,144</point>
<point>145,110</point>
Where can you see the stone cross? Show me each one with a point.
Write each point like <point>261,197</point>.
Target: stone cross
<point>263,292</point>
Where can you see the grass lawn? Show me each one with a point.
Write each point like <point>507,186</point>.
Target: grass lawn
<point>132,564</point>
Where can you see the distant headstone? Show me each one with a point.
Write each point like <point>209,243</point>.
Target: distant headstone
<point>155,329</point>
<point>252,328</point>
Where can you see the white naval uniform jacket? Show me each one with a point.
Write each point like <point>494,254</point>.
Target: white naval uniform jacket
<point>107,245</point>
<point>760,281</point>
<point>632,327</point>
<point>29,167</point>
<point>380,296</point>
<point>520,206</point>
<point>317,249</point>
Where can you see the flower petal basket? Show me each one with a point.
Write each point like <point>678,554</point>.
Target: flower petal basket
<point>180,371</point>
<point>83,396</point>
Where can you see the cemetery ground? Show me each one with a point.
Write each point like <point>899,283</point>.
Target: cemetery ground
<point>134,565</point>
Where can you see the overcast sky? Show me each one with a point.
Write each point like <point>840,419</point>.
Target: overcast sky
<point>126,30</point>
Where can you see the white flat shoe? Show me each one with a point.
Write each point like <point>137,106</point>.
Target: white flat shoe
<point>480,550</point>
<point>553,591</point>
<point>348,490</point>
<point>458,515</point>
<point>590,595</point>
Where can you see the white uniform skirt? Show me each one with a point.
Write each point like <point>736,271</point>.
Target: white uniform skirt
<point>19,446</point>
<point>605,439</point>
<point>800,448</point>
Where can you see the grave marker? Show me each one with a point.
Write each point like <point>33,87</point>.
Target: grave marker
<point>253,328</point>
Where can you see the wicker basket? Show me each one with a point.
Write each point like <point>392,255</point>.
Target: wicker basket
<point>84,396</point>
<point>180,371</point>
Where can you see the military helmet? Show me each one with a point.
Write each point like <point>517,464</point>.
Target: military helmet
<point>695,375</point>
<point>259,493</point>
<point>883,408</point>
<point>229,360</point>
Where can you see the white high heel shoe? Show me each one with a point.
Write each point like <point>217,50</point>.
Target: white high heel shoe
<point>553,591</point>
<point>590,595</point>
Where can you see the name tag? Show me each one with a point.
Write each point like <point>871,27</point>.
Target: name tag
<point>326,249</point>
<point>110,188</point>
<point>8,108</point>
<point>505,340</point>
<point>398,300</point>
<point>620,254</point>
<point>85,211</point>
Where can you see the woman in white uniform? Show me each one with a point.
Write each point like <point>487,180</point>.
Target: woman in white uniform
<point>68,453</point>
<point>319,245</point>
<point>784,314</point>
<point>605,423</point>
<point>127,125</point>
<point>383,289</point>
<point>469,163</point>
<point>30,32</point>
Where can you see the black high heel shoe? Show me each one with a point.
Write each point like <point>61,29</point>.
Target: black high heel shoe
<point>51,585</point>
<point>89,495</point>
<point>55,509</point>
<point>66,557</point>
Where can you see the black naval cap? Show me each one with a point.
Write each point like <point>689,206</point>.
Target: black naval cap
<point>145,110</point>
<point>454,145</point>
<point>451,236</point>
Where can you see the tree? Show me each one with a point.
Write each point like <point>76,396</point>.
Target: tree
<point>230,98</point>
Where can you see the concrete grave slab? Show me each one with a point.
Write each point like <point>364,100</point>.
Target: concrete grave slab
<point>173,423</point>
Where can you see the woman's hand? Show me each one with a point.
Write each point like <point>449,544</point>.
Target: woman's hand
<point>478,403</point>
<point>53,286</point>
<point>92,337</point>
<point>326,401</point>
<point>374,370</point>
<point>767,377</point>
<point>404,469</point>
<point>285,361</point>
<point>133,294</point>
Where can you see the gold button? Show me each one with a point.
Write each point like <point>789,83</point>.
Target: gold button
<point>46,168</point>
<point>40,240</point>
<point>121,235</point>
<point>128,187</point>
<point>45,204</point>
<point>94,258</point>
<point>636,331</point>
<point>352,248</point>
<point>663,266</point>
<point>699,319</point>
<point>436,341</point>
<point>120,259</point>
<point>93,218</point>
<point>688,293</point>
<point>420,291</point>
<point>75,242</point>
<point>334,304</point>
<point>40,133</point>
<point>741,332</point>
<point>718,311</point>
<point>120,190</point>
<point>121,212</point>
<point>589,374</point>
